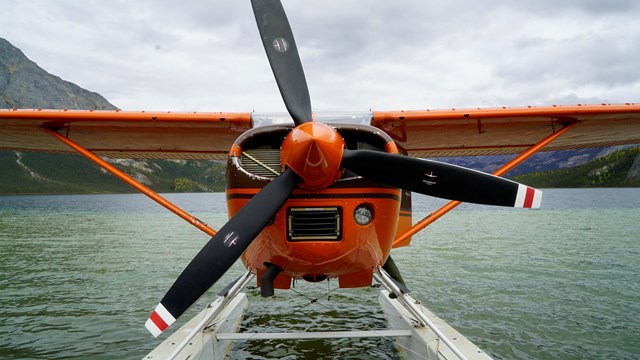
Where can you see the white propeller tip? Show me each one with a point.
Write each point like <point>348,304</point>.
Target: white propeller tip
<point>528,197</point>
<point>159,320</point>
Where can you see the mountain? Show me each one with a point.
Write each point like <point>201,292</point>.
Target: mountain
<point>35,173</point>
<point>618,169</point>
<point>538,162</point>
<point>23,84</point>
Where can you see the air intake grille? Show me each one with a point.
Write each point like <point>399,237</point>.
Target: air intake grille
<point>308,224</point>
<point>262,162</point>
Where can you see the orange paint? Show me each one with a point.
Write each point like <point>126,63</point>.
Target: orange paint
<point>352,258</point>
<point>555,111</point>
<point>313,151</point>
<point>236,150</point>
<point>391,147</point>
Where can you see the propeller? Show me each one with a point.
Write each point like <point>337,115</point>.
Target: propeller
<point>438,179</point>
<point>219,254</point>
<point>314,157</point>
<point>282,52</point>
<point>222,251</point>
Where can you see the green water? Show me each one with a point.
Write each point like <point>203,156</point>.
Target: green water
<point>80,274</point>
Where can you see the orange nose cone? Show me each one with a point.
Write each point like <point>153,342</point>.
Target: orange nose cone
<point>313,151</point>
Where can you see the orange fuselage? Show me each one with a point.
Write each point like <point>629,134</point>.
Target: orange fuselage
<point>315,235</point>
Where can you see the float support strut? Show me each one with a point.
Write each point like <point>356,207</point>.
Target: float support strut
<point>132,182</point>
<point>404,238</point>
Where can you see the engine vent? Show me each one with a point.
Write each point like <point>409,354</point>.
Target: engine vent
<point>262,162</point>
<point>308,224</point>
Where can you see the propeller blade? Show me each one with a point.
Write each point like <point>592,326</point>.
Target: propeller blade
<point>438,179</point>
<point>219,254</point>
<point>282,52</point>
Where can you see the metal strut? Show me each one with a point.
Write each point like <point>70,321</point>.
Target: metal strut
<point>132,182</point>
<point>216,308</point>
<point>410,304</point>
<point>428,220</point>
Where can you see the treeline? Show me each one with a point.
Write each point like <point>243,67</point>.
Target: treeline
<point>618,169</point>
<point>36,173</point>
<point>31,173</point>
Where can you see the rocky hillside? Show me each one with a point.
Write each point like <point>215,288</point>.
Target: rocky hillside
<point>538,162</point>
<point>32,173</point>
<point>618,169</point>
<point>23,84</point>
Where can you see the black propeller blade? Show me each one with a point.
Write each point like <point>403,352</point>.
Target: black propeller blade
<point>438,179</point>
<point>219,254</point>
<point>282,52</point>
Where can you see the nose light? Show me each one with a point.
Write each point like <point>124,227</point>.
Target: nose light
<point>363,214</point>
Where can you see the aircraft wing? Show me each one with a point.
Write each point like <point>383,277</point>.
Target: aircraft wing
<point>465,132</point>
<point>421,133</point>
<point>123,134</point>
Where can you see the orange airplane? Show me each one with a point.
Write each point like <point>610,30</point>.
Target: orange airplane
<point>329,195</point>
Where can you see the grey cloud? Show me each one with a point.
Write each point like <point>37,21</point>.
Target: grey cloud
<point>206,55</point>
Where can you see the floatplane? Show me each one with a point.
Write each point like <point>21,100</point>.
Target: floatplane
<point>318,196</point>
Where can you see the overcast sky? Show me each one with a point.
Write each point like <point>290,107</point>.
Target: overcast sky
<point>358,54</point>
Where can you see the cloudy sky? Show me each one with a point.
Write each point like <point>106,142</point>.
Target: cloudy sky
<point>196,55</point>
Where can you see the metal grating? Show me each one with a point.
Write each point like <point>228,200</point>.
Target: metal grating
<point>262,162</point>
<point>308,224</point>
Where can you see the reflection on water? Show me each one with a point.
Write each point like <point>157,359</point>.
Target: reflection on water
<point>80,274</point>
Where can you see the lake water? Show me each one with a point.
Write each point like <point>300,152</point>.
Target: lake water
<point>80,274</point>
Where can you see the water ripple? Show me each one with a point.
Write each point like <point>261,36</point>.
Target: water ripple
<point>80,274</point>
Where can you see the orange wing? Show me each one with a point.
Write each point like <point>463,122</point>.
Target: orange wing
<point>462,132</point>
<point>426,133</point>
<point>122,134</point>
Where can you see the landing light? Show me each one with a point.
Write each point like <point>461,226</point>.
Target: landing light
<point>363,214</point>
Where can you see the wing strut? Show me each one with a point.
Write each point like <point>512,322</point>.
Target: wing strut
<point>405,238</point>
<point>132,182</point>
